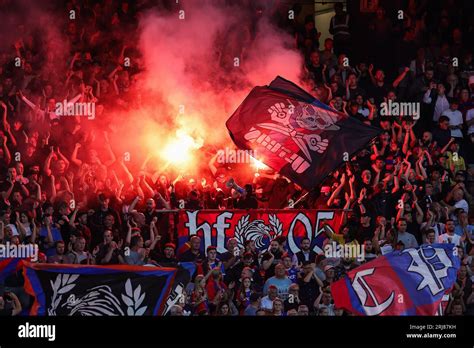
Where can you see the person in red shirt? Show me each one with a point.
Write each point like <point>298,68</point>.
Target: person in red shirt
<point>216,288</point>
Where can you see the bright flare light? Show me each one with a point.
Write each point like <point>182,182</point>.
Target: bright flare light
<point>258,164</point>
<point>178,151</point>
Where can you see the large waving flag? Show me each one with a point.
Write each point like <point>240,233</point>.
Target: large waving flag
<point>296,134</point>
<point>408,282</point>
<point>98,290</point>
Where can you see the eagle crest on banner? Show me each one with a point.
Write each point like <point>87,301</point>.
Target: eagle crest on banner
<point>97,301</point>
<point>257,230</point>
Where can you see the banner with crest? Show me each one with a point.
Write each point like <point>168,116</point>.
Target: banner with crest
<point>217,227</point>
<point>296,134</point>
<point>411,281</point>
<point>70,290</point>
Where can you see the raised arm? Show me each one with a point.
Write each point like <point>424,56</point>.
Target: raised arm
<point>377,176</point>
<point>74,158</point>
<point>212,164</point>
<point>360,201</point>
<point>337,191</point>
<point>163,201</point>
<point>49,236</point>
<point>329,97</point>
<point>8,130</point>
<point>6,152</point>
<point>406,143</point>
<point>109,151</point>
<point>446,147</point>
<point>64,158</point>
<point>156,235</point>
<point>371,110</point>
<point>376,240</point>
<point>371,74</point>
<point>54,193</point>
<point>4,113</point>
<point>400,77</point>
<point>146,187</point>
<point>72,220</point>
<point>419,212</point>
<point>351,186</point>
<point>427,97</point>
<point>137,199</point>
<point>20,227</point>
<point>125,169</point>
<point>76,57</point>
<point>407,171</point>
<point>428,157</point>
<point>421,170</point>
<point>396,182</point>
<point>34,233</point>
<point>27,101</point>
<point>113,80</point>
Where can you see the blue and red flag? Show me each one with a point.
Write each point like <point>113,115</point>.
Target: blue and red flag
<point>9,266</point>
<point>408,282</point>
<point>120,290</point>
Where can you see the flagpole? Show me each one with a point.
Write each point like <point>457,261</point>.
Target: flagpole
<point>298,201</point>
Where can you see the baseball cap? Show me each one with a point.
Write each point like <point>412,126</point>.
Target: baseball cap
<point>211,247</point>
<point>328,267</point>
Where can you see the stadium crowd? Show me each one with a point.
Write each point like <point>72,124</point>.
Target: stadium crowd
<point>63,187</point>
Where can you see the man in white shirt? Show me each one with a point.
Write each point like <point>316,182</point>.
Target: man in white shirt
<point>441,104</point>
<point>470,121</point>
<point>455,119</point>
<point>460,202</point>
<point>450,236</point>
<point>267,301</point>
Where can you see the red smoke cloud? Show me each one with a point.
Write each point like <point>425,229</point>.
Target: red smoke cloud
<point>198,68</point>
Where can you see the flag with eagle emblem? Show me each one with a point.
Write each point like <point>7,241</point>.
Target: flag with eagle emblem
<point>67,290</point>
